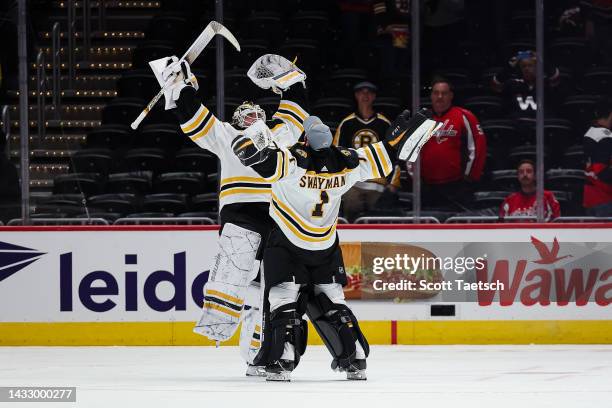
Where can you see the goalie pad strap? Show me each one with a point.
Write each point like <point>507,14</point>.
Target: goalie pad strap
<point>338,328</point>
<point>285,324</point>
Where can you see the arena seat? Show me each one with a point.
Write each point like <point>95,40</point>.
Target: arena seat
<point>122,111</point>
<point>207,202</point>
<point>598,80</point>
<point>139,83</point>
<point>484,107</point>
<point>134,182</point>
<point>180,183</point>
<point>76,183</point>
<point>165,203</point>
<point>115,203</point>
<point>389,106</point>
<point>332,109</point>
<point>309,24</point>
<point>146,159</point>
<point>195,159</point>
<point>110,137</point>
<point>265,24</point>
<point>488,199</point>
<point>164,136</point>
<point>92,161</point>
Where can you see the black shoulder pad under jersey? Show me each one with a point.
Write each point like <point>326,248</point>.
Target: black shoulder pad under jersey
<point>348,156</point>
<point>300,152</point>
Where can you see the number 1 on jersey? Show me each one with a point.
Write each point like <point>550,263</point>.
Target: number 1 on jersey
<point>318,209</point>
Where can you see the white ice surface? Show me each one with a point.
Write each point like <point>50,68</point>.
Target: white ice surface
<point>398,376</point>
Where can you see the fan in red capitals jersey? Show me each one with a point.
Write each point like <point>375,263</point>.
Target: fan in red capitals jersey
<point>454,158</point>
<point>523,203</point>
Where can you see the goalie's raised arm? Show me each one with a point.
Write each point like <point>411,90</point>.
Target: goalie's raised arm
<point>407,135</point>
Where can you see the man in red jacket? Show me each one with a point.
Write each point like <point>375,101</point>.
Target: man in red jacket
<point>454,158</point>
<point>523,203</point>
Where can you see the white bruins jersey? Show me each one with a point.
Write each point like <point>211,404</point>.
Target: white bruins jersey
<point>305,203</point>
<point>239,183</point>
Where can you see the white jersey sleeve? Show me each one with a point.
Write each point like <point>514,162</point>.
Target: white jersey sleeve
<point>207,131</point>
<point>374,162</point>
<point>292,114</point>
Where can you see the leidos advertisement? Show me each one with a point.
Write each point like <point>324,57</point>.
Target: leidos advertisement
<point>159,275</point>
<point>104,275</point>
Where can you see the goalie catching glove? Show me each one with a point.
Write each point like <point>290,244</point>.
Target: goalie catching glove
<point>276,72</point>
<point>253,146</point>
<point>173,75</point>
<point>408,134</point>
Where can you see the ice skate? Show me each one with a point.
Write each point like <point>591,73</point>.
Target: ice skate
<point>355,371</point>
<point>280,370</point>
<point>255,371</point>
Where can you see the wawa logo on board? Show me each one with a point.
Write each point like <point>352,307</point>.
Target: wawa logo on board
<point>14,258</point>
<point>545,282</point>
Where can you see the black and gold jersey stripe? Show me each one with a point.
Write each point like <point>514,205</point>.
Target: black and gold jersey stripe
<point>298,226</point>
<point>244,185</point>
<point>292,113</point>
<point>199,125</point>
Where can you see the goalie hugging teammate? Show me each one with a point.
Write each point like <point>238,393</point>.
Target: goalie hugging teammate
<point>279,201</point>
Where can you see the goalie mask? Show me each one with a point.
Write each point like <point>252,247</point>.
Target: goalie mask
<point>246,114</point>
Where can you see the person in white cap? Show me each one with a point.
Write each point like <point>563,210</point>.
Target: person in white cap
<point>303,265</point>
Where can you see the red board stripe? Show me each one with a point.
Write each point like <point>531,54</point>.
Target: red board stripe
<point>393,331</point>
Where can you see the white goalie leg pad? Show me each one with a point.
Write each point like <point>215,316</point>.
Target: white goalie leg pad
<point>221,311</point>
<point>253,297</point>
<point>236,256</point>
<point>250,334</point>
<point>250,331</point>
<point>412,147</point>
<point>224,294</point>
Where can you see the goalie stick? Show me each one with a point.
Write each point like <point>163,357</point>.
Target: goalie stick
<point>190,55</point>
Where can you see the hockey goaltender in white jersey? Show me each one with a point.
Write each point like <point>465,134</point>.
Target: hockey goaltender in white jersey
<point>303,265</point>
<point>233,293</point>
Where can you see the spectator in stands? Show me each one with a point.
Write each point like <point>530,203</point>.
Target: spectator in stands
<point>359,129</point>
<point>517,84</point>
<point>523,202</point>
<point>597,198</point>
<point>453,160</point>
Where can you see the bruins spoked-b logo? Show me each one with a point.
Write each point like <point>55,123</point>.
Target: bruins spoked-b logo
<point>364,137</point>
<point>301,153</point>
<point>14,258</point>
